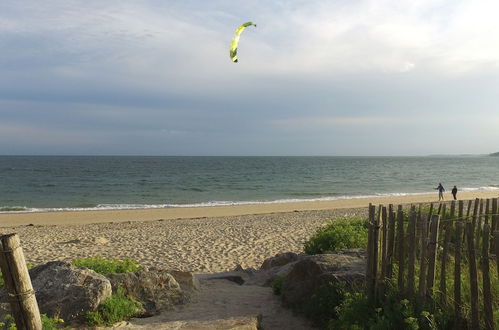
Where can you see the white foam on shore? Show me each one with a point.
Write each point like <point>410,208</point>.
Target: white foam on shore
<point>104,207</point>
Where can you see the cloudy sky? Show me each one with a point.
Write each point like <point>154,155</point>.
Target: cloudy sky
<point>356,77</point>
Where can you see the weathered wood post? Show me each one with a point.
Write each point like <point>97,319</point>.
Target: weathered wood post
<point>487,294</point>
<point>18,284</point>
<point>432,256</point>
<point>496,244</point>
<point>391,242</point>
<point>423,263</point>
<point>370,238</point>
<point>473,276</point>
<point>447,227</point>
<point>400,248</point>
<point>458,311</point>
<point>412,254</point>
<point>375,262</point>
<point>382,283</point>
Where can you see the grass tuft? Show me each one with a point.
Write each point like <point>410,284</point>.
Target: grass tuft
<point>107,266</point>
<point>116,308</point>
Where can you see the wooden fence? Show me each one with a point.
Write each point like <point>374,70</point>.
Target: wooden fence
<point>411,252</point>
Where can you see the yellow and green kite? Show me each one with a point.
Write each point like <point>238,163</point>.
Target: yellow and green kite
<point>235,40</point>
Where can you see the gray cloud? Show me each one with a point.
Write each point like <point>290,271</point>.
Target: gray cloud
<point>154,77</point>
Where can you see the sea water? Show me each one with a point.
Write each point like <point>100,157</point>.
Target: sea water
<point>51,183</point>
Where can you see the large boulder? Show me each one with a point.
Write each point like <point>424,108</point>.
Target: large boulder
<point>68,292</point>
<point>310,273</point>
<point>155,289</point>
<point>279,260</point>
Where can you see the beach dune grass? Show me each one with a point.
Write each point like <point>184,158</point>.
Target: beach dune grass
<point>107,266</point>
<point>114,309</point>
<point>338,234</point>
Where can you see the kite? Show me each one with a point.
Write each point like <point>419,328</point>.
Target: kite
<point>235,40</point>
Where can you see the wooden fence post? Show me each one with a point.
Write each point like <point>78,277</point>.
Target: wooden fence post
<point>375,247</point>
<point>432,256</point>
<point>382,283</point>
<point>423,261</point>
<point>447,227</point>
<point>487,294</point>
<point>494,216</point>
<point>494,227</point>
<point>496,244</point>
<point>460,210</point>
<point>478,226</point>
<point>487,210</point>
<point>412,254</point>
<point>473,276</point>
<point>458,311</point>
<point>468,210</point>
<point>391,242</point>
<point>18,284</point>
<point>369,248</point>
<point>400,247</point>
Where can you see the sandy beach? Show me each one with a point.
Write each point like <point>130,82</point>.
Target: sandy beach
<point>207,239</point>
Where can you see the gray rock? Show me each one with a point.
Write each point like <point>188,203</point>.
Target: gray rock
<point>67,292</point>
<point>279,265</point>
<point>155,289</point>
<point>307,275</point>
<point>278,260</point>
<point>233,323</point>
<point>188,282</point>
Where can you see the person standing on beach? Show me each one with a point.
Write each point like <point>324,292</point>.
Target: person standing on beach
<point>454,192</point>
<point>441,190</point>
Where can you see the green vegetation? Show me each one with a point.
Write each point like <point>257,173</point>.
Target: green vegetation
<point>48,323</point>
<point>333,307</point>
<point>116,308</point>
<point>107,266</point>
<point>338,234</point>
<point>320,307</point>
<point>277,284</point>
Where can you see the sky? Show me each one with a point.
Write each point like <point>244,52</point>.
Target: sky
<point>339,77</point>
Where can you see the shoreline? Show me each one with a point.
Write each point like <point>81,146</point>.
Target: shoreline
<point>127,215</point>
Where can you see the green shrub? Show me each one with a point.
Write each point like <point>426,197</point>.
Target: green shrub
<point>277,284</point>
<point>116,308</point>
<point>320,307</point>
<point>48,323</point>
<point>338,234</point>
<point>107,266</point>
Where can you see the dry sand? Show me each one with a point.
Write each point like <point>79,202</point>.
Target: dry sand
<point>207,239</point>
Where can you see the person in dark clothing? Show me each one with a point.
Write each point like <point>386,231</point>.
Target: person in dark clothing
<point>454,192</point>
<point>441,190</point>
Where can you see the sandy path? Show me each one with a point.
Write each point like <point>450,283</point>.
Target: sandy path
<point>222,299</point>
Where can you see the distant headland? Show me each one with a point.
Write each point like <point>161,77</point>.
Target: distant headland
<point>495,154</point>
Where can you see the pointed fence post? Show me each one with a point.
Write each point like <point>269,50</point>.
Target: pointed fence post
<point>370,242</point>
<point>487,294</point>
<point>412,254</point>
<point>18,284</point>
<point>458,310</point>
<point>423,263</point>
<point>391,242</point>
<point>400,248</point>
<point>432,256</point>
<point>447,227</point>
<point>475,324</point>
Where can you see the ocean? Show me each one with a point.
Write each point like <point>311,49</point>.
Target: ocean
<point>55,183</point>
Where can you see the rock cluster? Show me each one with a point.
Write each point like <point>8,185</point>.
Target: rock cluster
<point>67,292</point>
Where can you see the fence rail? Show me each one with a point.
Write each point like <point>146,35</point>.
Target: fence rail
<point>412,250</point>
